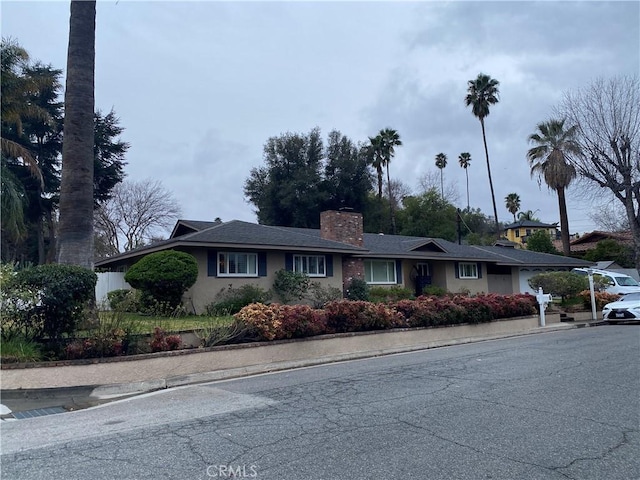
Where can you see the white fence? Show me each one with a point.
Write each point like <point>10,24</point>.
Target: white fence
<point>107,282</point>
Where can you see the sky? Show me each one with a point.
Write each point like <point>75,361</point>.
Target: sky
<point>200,86</point>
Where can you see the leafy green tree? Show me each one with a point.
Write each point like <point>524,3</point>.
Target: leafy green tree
<point>347,180</point>
<point>540,241</point>
<point>512,202</point>
<point>75,230</point>
<point>464,159</point>
<point>477,228</point>
<point>32,121</point>
<point>427,215</point>
<point>441,163</point>
<point>481,94</point>
<point>301,178</point>
<point>109,152</point>
<point>549,160</point>
<point>611,250</point>
<point>287,190</point>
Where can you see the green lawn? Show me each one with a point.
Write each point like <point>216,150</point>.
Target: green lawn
<point>146,324</point>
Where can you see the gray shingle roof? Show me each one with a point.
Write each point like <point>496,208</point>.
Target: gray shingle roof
<point>245,234</point>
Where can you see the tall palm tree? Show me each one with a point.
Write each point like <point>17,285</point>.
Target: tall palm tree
<point>464,159</point>
<point>389,140</point>
<point>441,163</point>
<point>75,240</point>
<point>376,159</point>
<point>481,93</point>
<point>512,202</point>
<point>548,160</point>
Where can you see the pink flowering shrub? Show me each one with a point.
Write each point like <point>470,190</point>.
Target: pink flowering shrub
<point>299,321</point>
<point>161,342</point>
<point>357,316</point>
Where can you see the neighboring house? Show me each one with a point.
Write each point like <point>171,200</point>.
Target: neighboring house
<point>519,231</point>
<point>588,241</point>
<point>236,253</point>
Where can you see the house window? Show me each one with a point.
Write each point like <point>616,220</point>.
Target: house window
<point>380,271</point>
<point>231,264</point>
<point>467,270</point>
<point>518,233</point>
<point>311,265</point>
<point>528,231</point>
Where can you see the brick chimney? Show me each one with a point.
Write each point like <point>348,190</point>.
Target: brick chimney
<point>342,226</point>
<point>345,226</point>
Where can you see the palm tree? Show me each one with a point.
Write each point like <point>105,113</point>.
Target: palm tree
<point>465,160</point>
<point>441,162</point>
<point>481,93</point>
<point>389,140</point>
<point>512,202</point>
<point>376,159</point>
<point>548,160</point>
<point>528,215</point>
<point>75,241</point>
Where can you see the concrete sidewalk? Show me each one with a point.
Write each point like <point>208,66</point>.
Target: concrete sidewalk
<point>78,386</point>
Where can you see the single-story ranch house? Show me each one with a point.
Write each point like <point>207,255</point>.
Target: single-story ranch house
<point>235,253</point>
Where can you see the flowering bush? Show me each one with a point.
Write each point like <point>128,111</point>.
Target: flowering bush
<point>161,342</point>
<point>602,298</point>
<point>356,316</point>
<point>298,321</point>
<point>264,318</point>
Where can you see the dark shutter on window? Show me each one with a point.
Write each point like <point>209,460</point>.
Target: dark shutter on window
<point>398,272</point>
<point>479,270</point>
<point>328,260</point>
<point>212,263</point>
<point>288,262</point>
<point>456,269</point>
<point>262,264</point>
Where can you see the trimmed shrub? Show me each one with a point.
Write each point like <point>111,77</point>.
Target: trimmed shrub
<point>434,290</point>
<point>320,295</point>
<point>291,286</point>
<point>65,291</point>
<point>231,300</point>
<point>358,289</point>
<point>163,276</point>
<point>559,284</point>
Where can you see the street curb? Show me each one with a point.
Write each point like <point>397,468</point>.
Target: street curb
<point>127,389</point>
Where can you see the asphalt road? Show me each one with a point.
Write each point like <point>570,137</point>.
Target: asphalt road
<point>562,405</point>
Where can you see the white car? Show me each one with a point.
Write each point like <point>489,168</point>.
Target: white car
<point>615,282</point>
<point>626,308</point>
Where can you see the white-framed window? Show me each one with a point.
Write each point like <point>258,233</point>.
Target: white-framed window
<point>380,271</point>
<point>467,270</point>
<point>237,264</point>
<point>311,265</point>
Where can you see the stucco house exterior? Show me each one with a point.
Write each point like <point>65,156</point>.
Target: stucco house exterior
<point>518,232</point>
<point>236,252</point>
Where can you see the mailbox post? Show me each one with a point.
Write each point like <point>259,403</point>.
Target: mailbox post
<point>543,300</point>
